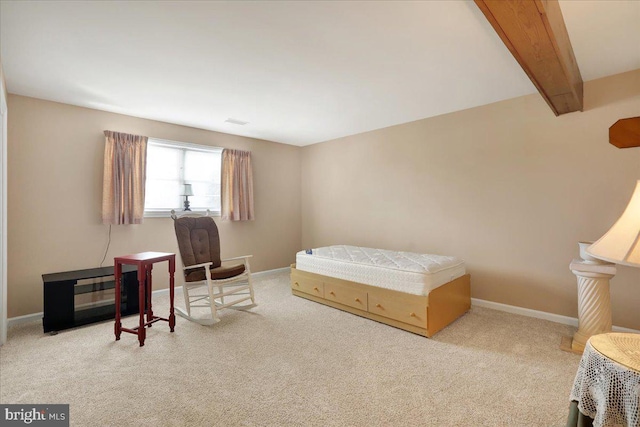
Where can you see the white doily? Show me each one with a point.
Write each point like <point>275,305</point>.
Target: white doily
<point>607,391</point>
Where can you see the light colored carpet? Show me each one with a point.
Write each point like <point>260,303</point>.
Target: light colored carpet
<point>292,362</point>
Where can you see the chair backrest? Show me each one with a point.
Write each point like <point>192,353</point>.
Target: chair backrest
<point>198,240</point>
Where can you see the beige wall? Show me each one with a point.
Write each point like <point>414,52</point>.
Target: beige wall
<point>55,192</point>
<point>4,84</point>
<point>508,187</point>
<point>3,207</point>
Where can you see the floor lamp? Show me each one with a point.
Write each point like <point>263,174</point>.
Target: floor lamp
<point>594,304</point>
<point>619,245</point>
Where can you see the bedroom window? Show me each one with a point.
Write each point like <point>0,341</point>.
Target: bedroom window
<point>172,164</point>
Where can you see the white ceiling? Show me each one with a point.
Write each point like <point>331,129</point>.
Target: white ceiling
<point>298,72</point>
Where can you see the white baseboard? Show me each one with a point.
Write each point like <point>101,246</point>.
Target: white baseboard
<point>557,318</point>
<point>166,291</point>
<point>565,320</point>
<point>271,272</point>
<point>38,316</point>
<point>24,319</point>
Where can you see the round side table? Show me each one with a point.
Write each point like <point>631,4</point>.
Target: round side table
<point>606,390</point>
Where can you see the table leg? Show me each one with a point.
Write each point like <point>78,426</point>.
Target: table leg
<point>117,277</point>
<point>172,270</point>
<point>141,298</point>
<point>149,290</point>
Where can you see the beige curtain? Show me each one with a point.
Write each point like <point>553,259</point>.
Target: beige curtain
<point>237,185</point>
<point>125,166</point>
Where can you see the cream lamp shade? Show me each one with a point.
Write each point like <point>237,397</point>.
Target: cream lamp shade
<point>621,244</point>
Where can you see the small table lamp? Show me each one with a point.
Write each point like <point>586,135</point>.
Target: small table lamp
<point>186,192</point>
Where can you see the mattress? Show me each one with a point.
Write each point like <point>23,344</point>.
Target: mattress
<point>407,272</point>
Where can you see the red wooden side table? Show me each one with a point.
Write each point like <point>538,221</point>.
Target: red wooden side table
<point>144,262</point>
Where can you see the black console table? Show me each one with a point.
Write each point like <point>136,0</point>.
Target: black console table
<point>75,298</point>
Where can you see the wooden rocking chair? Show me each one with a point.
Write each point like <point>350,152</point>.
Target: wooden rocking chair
<point>215,286</point>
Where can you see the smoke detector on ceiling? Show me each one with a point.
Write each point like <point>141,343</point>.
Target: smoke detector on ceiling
<point>235,121</point>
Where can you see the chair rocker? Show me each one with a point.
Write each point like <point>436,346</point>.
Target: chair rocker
<point>208,283</point>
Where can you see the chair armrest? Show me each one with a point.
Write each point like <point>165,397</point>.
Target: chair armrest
<point>204,264</point>
<point>237,258</point>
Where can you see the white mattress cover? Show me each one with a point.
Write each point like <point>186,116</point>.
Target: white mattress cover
<point>408,272</point>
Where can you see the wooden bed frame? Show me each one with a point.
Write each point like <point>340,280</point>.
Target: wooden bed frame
<point>423,315</point>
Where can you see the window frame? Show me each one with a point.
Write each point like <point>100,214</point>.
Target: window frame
<point>164,212</point>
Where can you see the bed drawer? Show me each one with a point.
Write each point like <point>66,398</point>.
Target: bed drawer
<point>307,285</point>
<point>356,298</point>
<point>402,309</point>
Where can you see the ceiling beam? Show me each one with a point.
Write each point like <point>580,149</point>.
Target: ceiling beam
<point>534,32</point>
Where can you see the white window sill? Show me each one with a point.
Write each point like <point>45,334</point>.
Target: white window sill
<point>166,213</point>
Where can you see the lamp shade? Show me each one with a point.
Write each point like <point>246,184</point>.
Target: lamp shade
<point>621,243</point>
<point>187,191</point>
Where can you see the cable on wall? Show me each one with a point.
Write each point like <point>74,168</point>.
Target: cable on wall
<point>107,249</point>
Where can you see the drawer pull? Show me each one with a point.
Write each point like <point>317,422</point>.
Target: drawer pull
<point>412,314</point>
<point>316,289</point>
<point>357,299</point>
<point>378,306</point>
<point>297,284</point>
<point>332,293</point>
